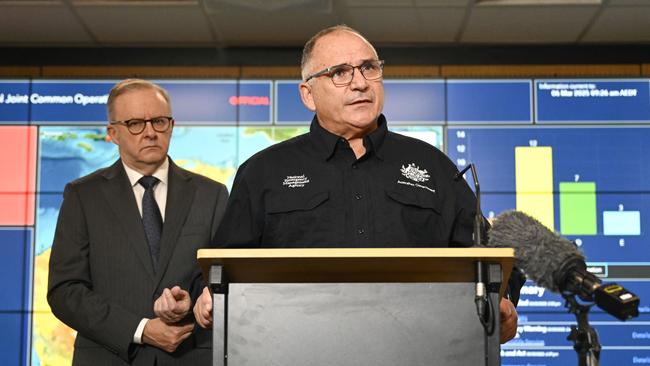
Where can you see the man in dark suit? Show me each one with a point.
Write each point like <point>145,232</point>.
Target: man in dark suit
<point>123,269</point>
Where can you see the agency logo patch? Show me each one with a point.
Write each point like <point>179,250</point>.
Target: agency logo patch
<point>417,175</point>
<point>414,173</point>
<point>295,181</point>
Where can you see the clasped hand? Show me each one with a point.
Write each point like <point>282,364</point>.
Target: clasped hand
<point>168,330</point>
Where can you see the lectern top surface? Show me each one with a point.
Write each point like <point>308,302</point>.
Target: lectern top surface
<point>356,253</point>
<point>340,265</point>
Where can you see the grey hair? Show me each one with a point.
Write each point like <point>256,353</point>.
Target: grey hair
<point>308,49</point>
<point>127,85</point>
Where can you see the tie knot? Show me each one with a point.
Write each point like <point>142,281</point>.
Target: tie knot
<point>148,181</point>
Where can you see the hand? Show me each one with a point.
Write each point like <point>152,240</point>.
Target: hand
<point>203,309</point>
<point>165,336</point>
<point>173,305</point>
<point>508,320</point>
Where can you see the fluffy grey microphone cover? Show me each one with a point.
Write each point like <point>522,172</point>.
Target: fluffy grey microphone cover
<point>540,252</point>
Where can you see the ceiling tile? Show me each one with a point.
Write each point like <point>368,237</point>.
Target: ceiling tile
<point>376,3</point>
<point>258,23</point>
<point>440,25</point>
<point>385,25</point>
<point>51,25</point>
<point>446,3</point>
<point>142,24</point>
<point>627,2</point>
<point>527,24</point>
<point>266,29</point>
<point>621,24</point>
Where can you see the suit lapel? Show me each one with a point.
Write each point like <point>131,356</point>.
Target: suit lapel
<point>180,194</point>
<point>120,197</point>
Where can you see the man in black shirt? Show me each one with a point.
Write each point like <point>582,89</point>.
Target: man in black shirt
<point>349,182</point>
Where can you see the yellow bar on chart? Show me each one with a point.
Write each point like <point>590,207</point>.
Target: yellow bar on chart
<point>534,183</point>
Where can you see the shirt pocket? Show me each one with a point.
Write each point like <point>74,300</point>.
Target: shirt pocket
<point>295,219</point>
<point>416,218</point>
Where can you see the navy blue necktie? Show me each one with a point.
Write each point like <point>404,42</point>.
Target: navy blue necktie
<point>151,218</point>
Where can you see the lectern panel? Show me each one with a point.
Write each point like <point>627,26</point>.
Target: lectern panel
<point>358,324</point>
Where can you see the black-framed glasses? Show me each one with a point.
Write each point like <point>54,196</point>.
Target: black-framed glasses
<point>137,125</point>
<point>343,74</point>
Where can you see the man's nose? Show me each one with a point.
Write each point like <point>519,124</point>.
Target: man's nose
<point>148,129</point>
<point>358,82</point>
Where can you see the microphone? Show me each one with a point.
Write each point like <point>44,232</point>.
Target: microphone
<point>556,263</point>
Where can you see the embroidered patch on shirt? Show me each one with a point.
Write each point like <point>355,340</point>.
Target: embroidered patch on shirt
<point>295,181</point>
<point>414,173</point>
<point>416,185</point>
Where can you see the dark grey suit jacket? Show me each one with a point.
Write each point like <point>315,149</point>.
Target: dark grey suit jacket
<point>101,279</point>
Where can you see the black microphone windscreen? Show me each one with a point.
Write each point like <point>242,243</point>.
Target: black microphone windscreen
<point>540,252</point>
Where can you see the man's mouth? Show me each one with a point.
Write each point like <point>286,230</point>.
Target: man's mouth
<point>360,101</point>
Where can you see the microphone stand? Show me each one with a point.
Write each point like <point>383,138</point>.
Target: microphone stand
<point>488,282</point>
<point>584,336</point>
<point>481,298</point>
<point>478,218</point>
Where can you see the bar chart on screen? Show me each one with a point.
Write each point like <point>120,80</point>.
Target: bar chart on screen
<point>590,184</point>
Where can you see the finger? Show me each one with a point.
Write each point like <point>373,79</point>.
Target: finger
<point>207,300</point>
<point>182,295</point>
<point>182,308</point>
<point>204,323</point>
<point>162,300</point>
<point>206,292</point>
<point>201,319</point>
<point>509,325</point>
<point>163,307</point>
<point>203,309</point>
<point>170,301</point>
<point>157,307</point>
<point>180,340</point>
<point>207,315</point>
<point>505,308</point>
<point>185,328</point>
<point>175,290</point>
<point>184,337</point>
<point>169,297</point>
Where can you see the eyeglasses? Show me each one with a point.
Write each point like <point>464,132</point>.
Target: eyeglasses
<point>137,125</point>
<point>343,74</point>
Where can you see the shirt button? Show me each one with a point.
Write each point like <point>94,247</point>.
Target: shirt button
<point>354,166</point>
<point>358,196</point>
<point>360,231</point>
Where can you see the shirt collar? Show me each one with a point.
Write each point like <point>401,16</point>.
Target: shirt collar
<point>162,173</point>
<point>374,141</point>
<point>325,142</point>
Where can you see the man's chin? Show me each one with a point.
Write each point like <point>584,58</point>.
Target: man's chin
<point>364,122</point>
<point>151,156</point>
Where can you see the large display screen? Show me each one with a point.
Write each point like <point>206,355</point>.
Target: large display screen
<point>572,153</point>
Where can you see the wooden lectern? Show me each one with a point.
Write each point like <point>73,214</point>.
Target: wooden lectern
<point>353,306</point>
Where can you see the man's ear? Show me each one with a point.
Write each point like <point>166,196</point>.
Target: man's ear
<point>113,134</point>
<point>307,96</point>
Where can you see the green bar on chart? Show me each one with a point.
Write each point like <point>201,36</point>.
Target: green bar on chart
<point>578,208</point>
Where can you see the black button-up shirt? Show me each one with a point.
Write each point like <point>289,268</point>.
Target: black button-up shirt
<point>311,191</point>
